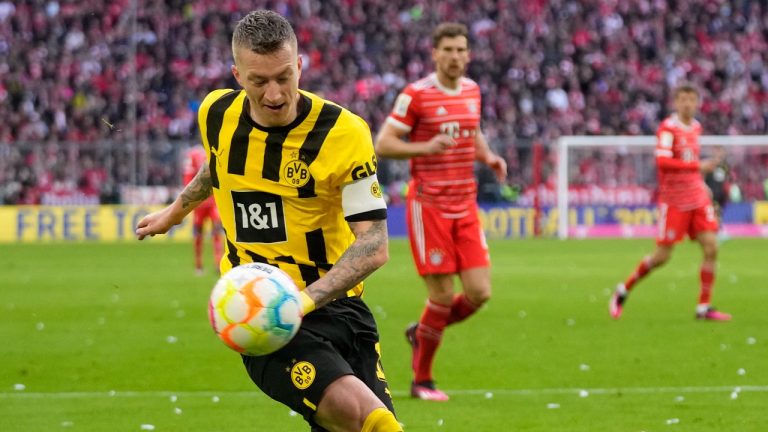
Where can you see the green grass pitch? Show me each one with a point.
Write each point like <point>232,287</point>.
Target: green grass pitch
<point>113,337</point>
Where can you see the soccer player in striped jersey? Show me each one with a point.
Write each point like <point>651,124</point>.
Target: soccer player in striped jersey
<point>193,160</point>
<point>294,178</point>
<point>440,115</point>
<point>685,206</point>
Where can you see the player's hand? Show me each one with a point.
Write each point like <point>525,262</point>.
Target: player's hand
<point>439,143</point>
<point>720,154</point>
<point>708,165</point>
<point>159,222</point>
<point>499,167</point>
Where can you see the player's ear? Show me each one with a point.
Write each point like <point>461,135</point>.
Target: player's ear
<point>236,74</point>
<point>299,63</point>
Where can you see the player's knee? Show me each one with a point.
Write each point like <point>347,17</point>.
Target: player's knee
<point>479,297</point>
<point>660,257</point>
<point>346,405</point>
<point>440,289</point>
<point>381,420</point>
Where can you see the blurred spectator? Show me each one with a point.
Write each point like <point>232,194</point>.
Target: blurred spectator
<point>85,71</point>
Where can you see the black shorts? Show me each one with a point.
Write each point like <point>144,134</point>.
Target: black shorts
<point>335,340</point>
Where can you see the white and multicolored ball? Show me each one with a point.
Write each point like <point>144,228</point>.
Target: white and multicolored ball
<point>255,309</point>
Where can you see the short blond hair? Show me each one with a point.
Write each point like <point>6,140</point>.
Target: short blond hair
<point>263,32</point>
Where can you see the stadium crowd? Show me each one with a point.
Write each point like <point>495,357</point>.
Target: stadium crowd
<point>84,79</point>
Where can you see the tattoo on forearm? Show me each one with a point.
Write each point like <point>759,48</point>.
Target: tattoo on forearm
<point>355,264</point>
<point>198,189</point>
<point>367,242</point>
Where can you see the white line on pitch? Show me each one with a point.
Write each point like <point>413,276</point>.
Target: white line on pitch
<point>616,390</point>
<point>520,392</point>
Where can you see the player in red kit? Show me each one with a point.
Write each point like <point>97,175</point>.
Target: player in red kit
<point>685,206</point>
<point>194,158</point>
<point>440,114</point>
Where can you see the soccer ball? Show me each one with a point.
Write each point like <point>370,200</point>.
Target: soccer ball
<point>255,309</point>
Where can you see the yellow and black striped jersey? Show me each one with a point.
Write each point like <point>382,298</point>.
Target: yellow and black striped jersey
<point>281,190</point>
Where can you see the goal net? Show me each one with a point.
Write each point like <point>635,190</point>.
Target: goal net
<point>606,185</point>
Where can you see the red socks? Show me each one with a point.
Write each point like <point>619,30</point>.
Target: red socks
<point>198,251</point>
<point>428,335</point>
<point>218,248</point>
<point>642,269</point>
<point>461,308</point>
<point>707,276</point>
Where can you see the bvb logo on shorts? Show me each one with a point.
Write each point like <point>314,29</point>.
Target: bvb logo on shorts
<point>303,375</point>
<point>376,189</point>
<point>296,173</point>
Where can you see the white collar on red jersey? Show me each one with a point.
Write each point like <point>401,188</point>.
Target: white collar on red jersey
<point>676,121</point>
<point>444,89</point>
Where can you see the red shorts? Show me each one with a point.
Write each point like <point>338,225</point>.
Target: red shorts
<point>445,245</point>
<point>674,223</point>
<point>206,210</point>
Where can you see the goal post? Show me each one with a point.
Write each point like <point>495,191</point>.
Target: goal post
<point>638,145</point>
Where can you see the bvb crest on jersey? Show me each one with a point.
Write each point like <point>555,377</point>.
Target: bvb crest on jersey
<point>296,172</point>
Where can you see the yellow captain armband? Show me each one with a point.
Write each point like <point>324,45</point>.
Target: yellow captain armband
<point>307,304</point>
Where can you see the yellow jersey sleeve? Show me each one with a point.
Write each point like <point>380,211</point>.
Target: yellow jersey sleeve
<point>353,162</point>
<point>353,151</point>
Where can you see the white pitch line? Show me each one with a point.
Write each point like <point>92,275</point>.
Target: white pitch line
<point>511,392</point>
<point>616,390</point>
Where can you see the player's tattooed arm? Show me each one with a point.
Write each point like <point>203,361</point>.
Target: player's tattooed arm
<point>194,193</point>
<point>198,190</point>
<point>367,253</point>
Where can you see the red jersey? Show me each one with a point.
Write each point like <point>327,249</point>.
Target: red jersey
<point>681,184</point>
<point>426,108</point>
<point>194,159</point>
